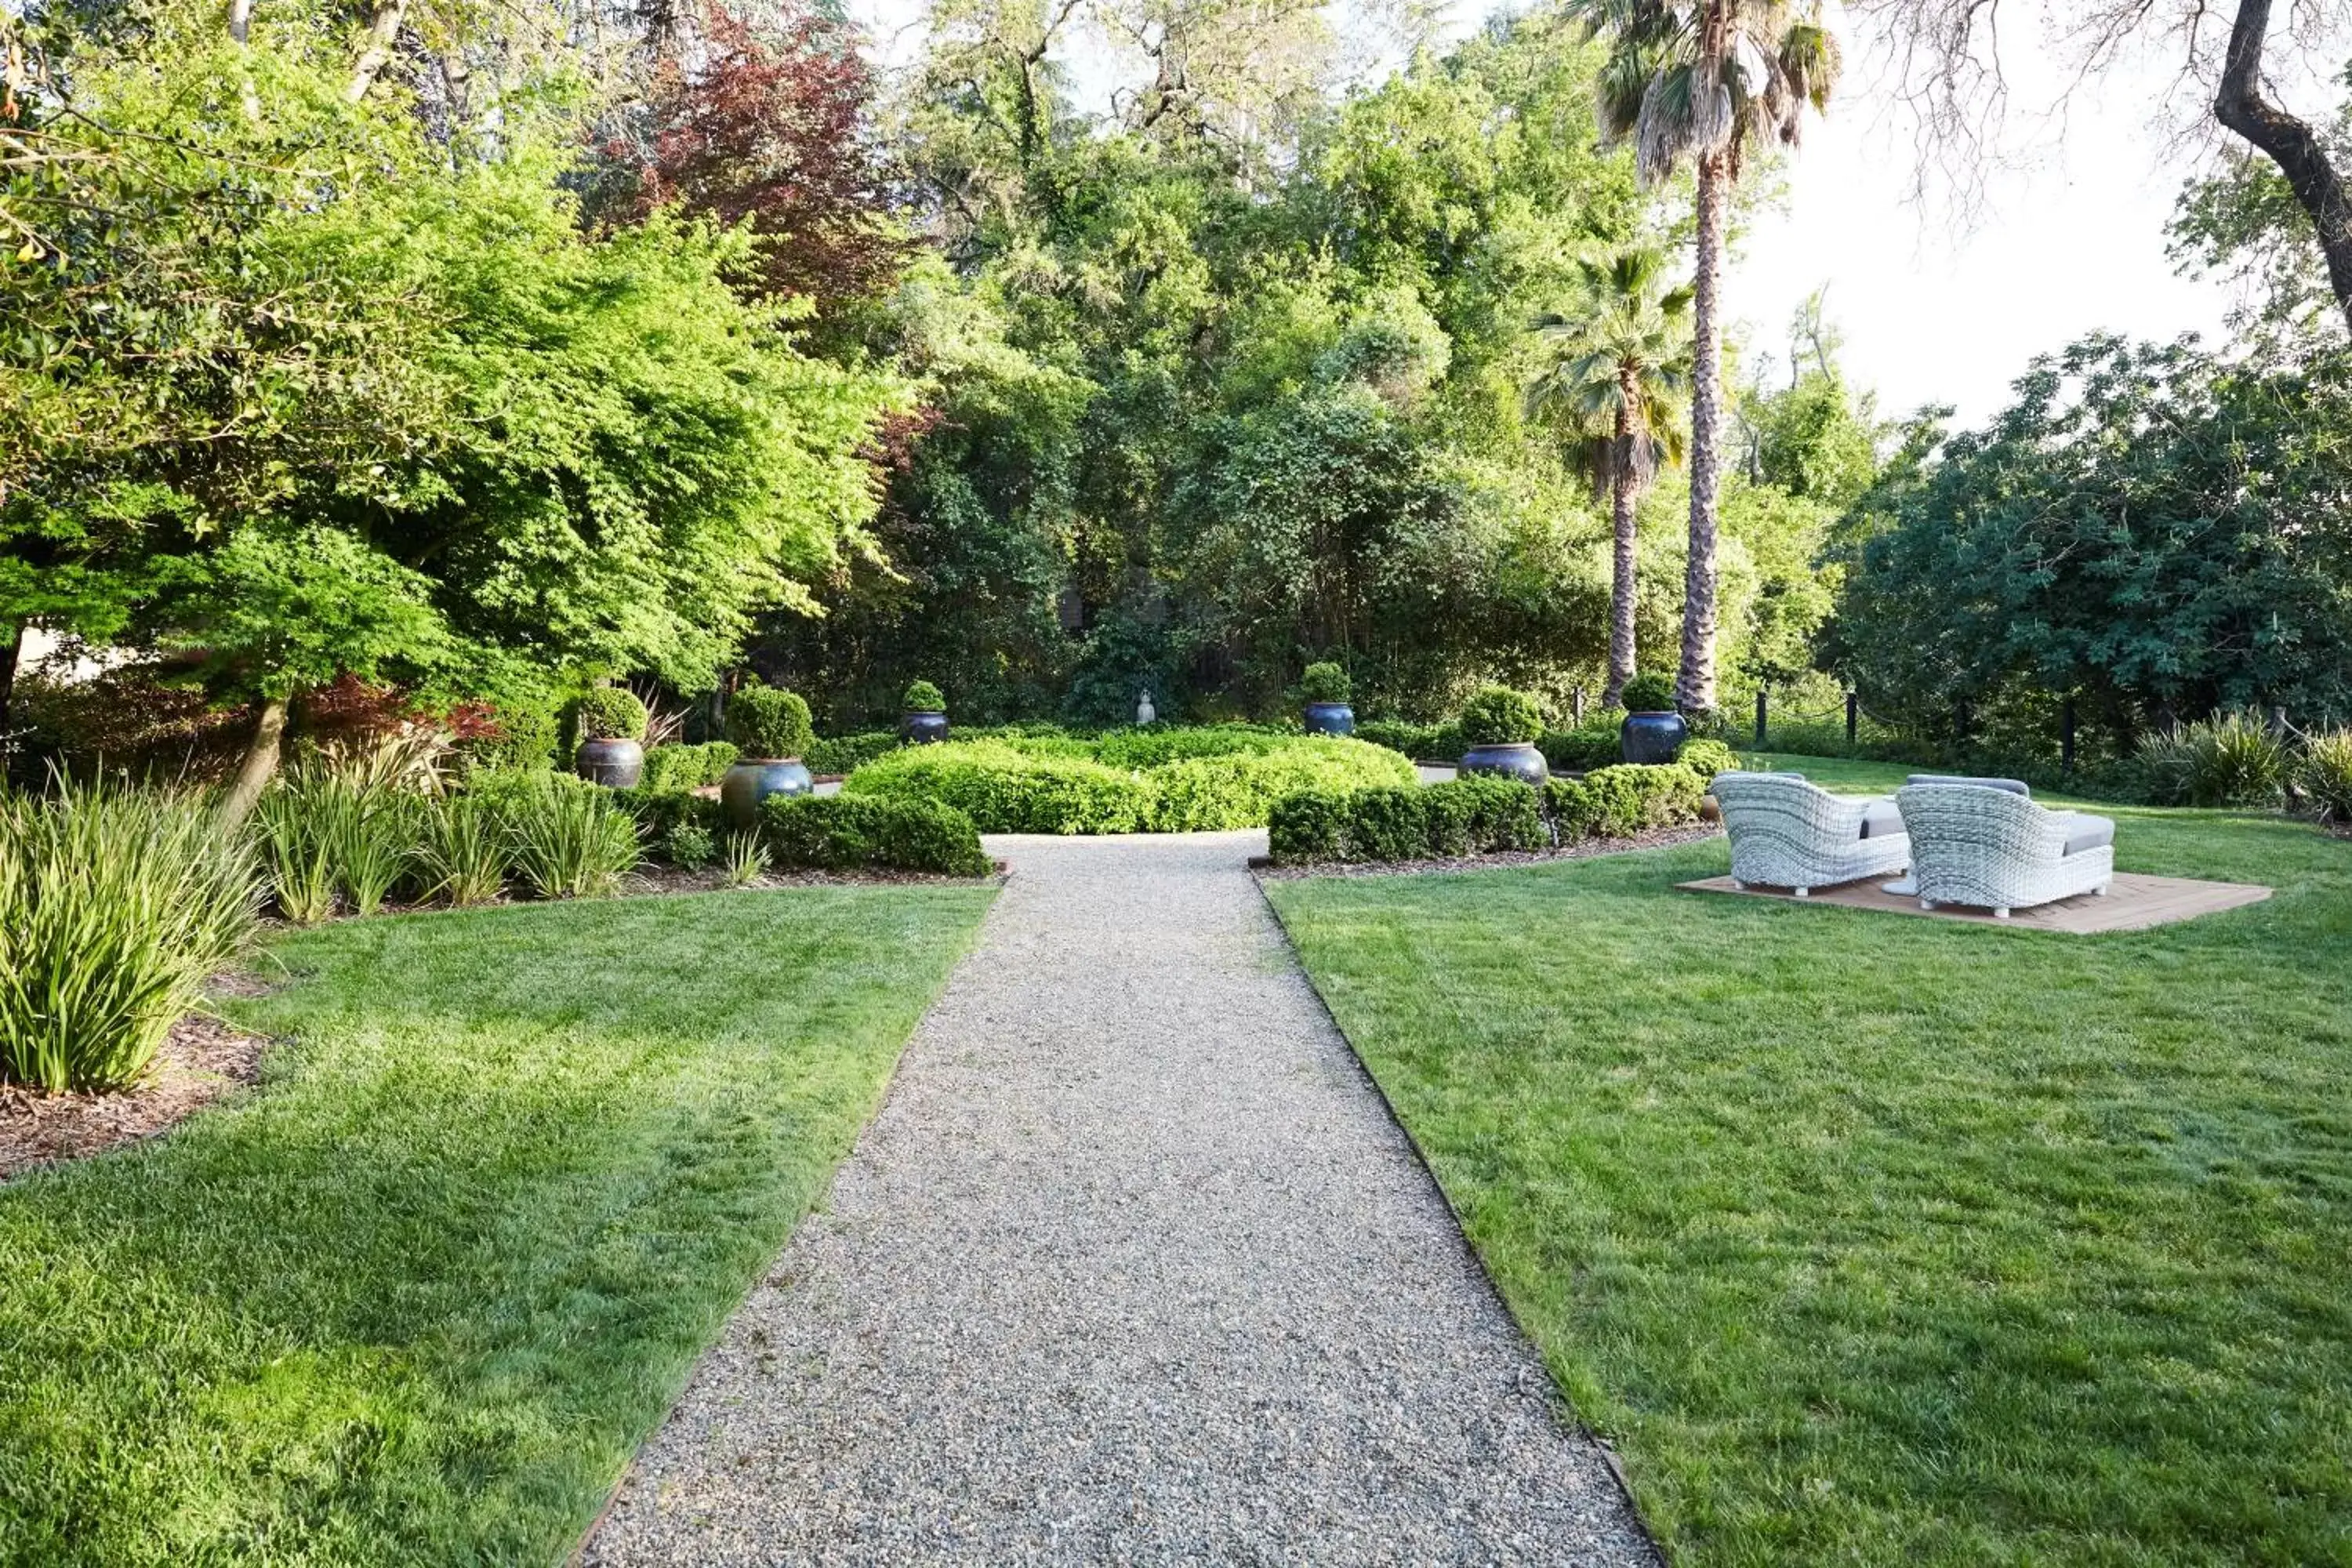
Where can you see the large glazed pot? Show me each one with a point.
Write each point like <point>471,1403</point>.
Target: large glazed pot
<point>615,764</point>
<point>1518,760</point>
<point>922,728</point>
<point>1329,718</point>
<point>750,783</point>
<point>1652,737</point>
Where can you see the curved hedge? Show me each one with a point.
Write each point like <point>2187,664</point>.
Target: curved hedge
<point>1141,781</point>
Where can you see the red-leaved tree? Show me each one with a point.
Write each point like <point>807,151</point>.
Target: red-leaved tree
<point>769,122</point>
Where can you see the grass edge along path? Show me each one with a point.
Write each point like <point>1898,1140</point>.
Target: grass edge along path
<point>1872,1240</point>
<point>420,1294</point>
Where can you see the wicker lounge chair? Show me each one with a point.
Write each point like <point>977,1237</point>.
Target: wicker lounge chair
<point>1991,849</point>
<point>1787,833</point>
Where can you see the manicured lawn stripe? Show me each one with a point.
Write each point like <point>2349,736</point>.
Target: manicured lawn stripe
<point>417,1298</point>
<point>1875,1240</point>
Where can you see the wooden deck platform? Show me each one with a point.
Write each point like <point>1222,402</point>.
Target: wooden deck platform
<point>2133,903</point>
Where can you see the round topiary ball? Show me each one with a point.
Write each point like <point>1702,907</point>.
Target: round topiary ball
<point>1650,693</point>
<point>922,697</point>
<point>1499,716</point>
<point>768,724</point>
<point>1325,682</point>
<point>608,713</point>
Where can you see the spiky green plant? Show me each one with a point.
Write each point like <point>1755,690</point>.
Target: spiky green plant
<point>298,830</point>
<point>115,906</point>
<point>747,860</point>
<point>570,843</point>
<point>463,852</point>
<point>2325,776</point>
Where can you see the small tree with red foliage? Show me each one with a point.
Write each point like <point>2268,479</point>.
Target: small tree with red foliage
<point>769,123</point>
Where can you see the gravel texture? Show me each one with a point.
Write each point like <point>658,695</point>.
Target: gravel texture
<point>1133,1266</point>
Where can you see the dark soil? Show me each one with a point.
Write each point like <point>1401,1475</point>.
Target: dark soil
<point>202,1060</point>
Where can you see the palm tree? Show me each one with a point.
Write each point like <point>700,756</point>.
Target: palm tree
<point>1616,373</point>
<point>1707,83</point>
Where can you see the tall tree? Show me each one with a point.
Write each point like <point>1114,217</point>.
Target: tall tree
<point>1708,83</point>
<point>1616,372</point>
<point>1948,68</point>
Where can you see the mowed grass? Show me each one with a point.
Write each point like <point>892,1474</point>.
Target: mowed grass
<point>1880,1240</point>
<point>417,1296</point>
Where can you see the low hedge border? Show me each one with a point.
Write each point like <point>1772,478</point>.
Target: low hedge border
<point>687,767</point>
<point>815,832</point>
<point>1479,815</point>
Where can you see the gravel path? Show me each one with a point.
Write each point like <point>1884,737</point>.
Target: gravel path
<point>1133,1266</point>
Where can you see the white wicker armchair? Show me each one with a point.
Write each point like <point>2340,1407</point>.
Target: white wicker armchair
<point>1787,833</point>
<point>1991,850</point>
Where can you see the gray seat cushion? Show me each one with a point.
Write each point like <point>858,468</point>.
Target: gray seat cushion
<point>2085,831</point>
<point>2014,786</point>
<point>1883,820</point>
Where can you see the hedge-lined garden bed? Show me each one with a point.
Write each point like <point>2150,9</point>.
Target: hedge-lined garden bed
<point>1480,816</point>
<point>1173,780</point>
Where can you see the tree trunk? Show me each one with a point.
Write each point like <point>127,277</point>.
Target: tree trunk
<point>1624,492</point>
<point>1694,689</point>
<point>240,19</point>
<point>11,648</point>
<point>2290,144</point>
<point>384,31</point>
<point>260,765</point>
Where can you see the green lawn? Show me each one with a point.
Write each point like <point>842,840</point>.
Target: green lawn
<point>416,1298</point>
<point>1882,1240</point>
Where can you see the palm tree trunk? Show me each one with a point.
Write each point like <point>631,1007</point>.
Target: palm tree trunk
<point>1695,688</point>
<point>260,765</point>
<point>1621,578</point>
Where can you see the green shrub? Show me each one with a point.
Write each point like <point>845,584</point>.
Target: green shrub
<point>337,829</point>
<point>1593,744</point>
<point>849,833</point>
<point>462,854</point>
<point>1415,740</point>
<point>1505,815</point>
<point>1387,824</point>
<point>1325,683</point>
<point>298,848</point>
<point>1632,799</point>
<point>115,905</point>
<point>1308,827</point>
<point>689,845</point>
<point>922,697</point>
<point>674,824</point>
<point>747,860</point>
<point>1649,692</point>
<point>1158,745</point>
<point>521,736</point>
<point>847,753</point>
<point>2234,760</point>
<point>2325,776</point>
<point>1004,790</point>
<point>608,713</point>
<point>1708,758</point>
<point>1498,716</point>
<point>570,843</point>
<point>1448,821</point>
<point>1239,789</point>
<point>768,724</point>
<point>687,767</point>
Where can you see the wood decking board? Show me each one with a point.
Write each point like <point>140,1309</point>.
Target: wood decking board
<point>2133,903</point>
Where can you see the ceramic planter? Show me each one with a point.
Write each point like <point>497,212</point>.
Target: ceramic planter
<point>922,727</point>
<point>747,784</point>
<point>1329,718</point>
<point>615,764</point>
<point>1652,737</point>
<point>1513,760</point>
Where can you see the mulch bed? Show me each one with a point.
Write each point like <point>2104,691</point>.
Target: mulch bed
<point>1583,850</point>
<point>202,1060</point>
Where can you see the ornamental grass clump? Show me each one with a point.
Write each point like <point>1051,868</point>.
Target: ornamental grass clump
<point>338,831</point>
<point>568,840</point>
<point>463,856</point>
<point>2325,776</point>
<point>2232,760</point>
<point>768,724</point>
<point>115,905</point>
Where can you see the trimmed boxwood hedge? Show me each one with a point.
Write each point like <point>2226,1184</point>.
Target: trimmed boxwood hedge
<point>687,767</point>
<point>1170,780</point>
<point>847,753</point>
<point>1479,815</point>
<point>847,833</point>
<point>827,833</point>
